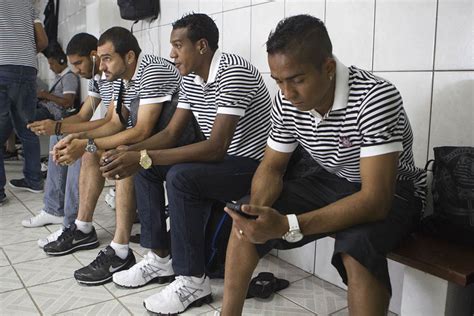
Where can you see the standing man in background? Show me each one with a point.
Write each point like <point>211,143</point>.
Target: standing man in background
<point>21,36</point>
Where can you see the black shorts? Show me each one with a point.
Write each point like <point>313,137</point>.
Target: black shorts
<point>367,243</point>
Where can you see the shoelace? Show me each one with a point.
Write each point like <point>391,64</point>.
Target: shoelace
<point>66,234</point>
<point>184,292</point>
<point>147,267</point>
<point>100,260</point>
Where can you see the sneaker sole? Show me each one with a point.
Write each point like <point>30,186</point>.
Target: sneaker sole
<point>159,280</point>
<point>90,245</point>
<point>197,303</point>
<point>26,189</point>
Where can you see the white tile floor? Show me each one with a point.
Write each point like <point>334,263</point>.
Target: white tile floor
<point>32,283</point>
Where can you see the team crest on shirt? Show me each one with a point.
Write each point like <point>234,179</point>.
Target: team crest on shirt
<point>345,141</point>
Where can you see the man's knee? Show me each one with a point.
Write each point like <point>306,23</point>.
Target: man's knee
<point>182,177</point>
<point>90,160</point>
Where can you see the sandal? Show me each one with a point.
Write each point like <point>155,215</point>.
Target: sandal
<point>265,284</point>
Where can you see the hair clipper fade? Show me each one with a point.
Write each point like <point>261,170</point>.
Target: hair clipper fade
<point>199,26</point>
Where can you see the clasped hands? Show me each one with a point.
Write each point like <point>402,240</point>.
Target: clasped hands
<point>269,224</point>
<point>119,163</point>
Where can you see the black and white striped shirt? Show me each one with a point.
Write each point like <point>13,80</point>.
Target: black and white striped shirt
<point>367,119</point>
<point>234,87</point>
<point>17,37</point>
<point>101,89</point>
<point>155,81</point>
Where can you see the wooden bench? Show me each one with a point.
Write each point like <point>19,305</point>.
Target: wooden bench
<point>438,278</point>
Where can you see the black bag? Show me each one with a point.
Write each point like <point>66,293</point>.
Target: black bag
<point>453,195</point>
<point>217,235</point>
<point>135,10</point>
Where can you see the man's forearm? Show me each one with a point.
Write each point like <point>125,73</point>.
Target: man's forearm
<point>107,129</point>
<point>266,187</point>
<point>125,137</point>
<point>70,127</point>
<point>160,140</point>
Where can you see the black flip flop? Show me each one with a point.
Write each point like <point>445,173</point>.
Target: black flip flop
<point>265,284</point>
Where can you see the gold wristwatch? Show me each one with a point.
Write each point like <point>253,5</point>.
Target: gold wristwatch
<point>145,160</point>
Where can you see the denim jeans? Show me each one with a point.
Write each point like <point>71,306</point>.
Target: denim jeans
<point>17,108</point>
<point>61,196</point>
<point>192,189</point>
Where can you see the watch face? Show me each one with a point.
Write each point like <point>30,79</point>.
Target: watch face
<point>91,148</point>
<point>294,236</point>
<point>145,162</point>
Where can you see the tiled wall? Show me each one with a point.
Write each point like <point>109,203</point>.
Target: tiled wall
<point>425,47</point>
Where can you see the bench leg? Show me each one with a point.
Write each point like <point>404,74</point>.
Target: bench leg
<point>425,294</point>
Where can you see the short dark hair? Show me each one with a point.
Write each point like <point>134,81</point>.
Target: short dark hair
<point>199,26</point>
<point>303,35</point>
<point>122,39</point>
<point>55,51</point>
<point>81,44</point>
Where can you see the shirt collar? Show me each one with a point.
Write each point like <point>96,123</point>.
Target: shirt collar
<point>216,59</point>
<point>139,61</point>
<point>341,93</point>
<point>65,71</point>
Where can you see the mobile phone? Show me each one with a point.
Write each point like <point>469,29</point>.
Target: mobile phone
<point>236,208</point>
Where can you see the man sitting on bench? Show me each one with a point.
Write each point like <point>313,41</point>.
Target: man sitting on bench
<point>368,192</point>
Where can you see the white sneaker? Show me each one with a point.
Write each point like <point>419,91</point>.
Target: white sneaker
<point>42,219</point>
<point>176,297</point>
<point>50,238</point>
<point>112,192</point>
<point>146,271</point>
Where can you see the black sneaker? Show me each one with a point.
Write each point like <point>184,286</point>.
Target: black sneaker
<point>22,184</point>
<point>71,240</point>
<point>3,199</point>
<point>100,270</point>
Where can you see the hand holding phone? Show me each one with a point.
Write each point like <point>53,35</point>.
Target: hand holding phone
<point>237,208</point>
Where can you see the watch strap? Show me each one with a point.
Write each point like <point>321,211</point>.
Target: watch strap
<point>293,222</point>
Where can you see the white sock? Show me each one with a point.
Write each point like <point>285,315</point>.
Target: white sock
<point>85,227</point>
<point>120,250</point>
<point>160,259</point>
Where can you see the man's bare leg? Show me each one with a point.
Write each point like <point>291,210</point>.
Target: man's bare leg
<point>238,273</point>
<point>126,208</point>
<point>91,183</point>
<point>366,295</point>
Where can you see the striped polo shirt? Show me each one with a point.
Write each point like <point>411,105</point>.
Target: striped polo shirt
<point>101,89</point>
<point>17,38</point>
<point>234,87</point>
<point>154,81</point>
<point>367,119</point>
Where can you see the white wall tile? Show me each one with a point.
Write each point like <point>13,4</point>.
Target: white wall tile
<point>235,31</point>
<point>264,19</point>
<point>396,270</point>
<point>415,88</point>
<point>302,257</point>
<point>164,41</point>
<point>404,34</point>
<point>235,4</point>
<point>454,41</point>
<point>93,18</point>
<point>169,11</point>
<point>312,7</point>
<point>188,6</point>
<point>453,110</point>
<point>352,45</point>
<point>210,6</point>
<point>322,266</point>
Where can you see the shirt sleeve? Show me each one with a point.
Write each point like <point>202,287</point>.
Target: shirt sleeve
<point>381,121</point>
<point>281,137</point>
<point>158,83</point>
<point>70,83</point>
<point>238,87</point>
<point>183,101</point>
